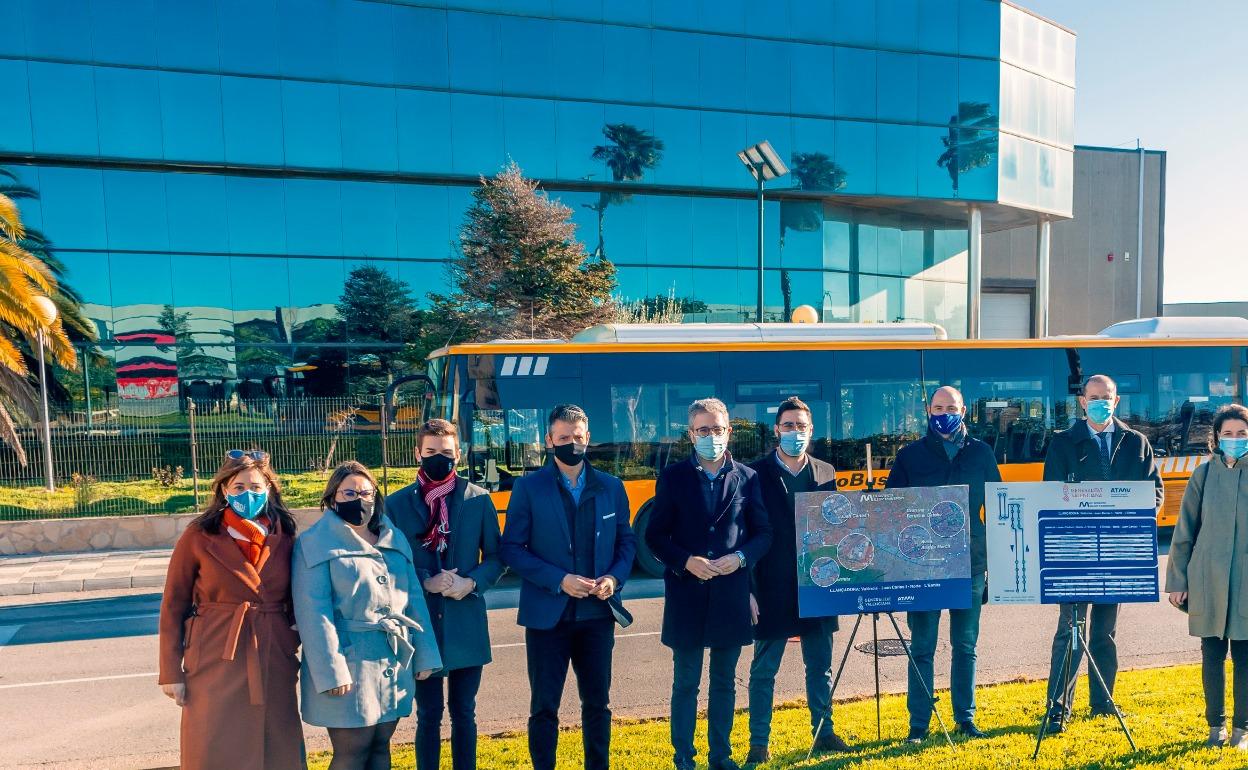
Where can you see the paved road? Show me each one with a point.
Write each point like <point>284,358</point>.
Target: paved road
<point>77,676</point>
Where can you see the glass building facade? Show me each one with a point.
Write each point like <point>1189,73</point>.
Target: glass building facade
<point>212,171</point>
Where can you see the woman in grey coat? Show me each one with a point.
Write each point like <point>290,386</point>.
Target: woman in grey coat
<point>363,621</point>
<point>1208,569</point>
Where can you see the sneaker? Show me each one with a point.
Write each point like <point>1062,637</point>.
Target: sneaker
<point>969,729</point>
<point>757,755</point>
<point>1056,723</point>
<point>1239,739</point>
<point>1217,737</point>
<point>831,743</point>
<point>917,735</point>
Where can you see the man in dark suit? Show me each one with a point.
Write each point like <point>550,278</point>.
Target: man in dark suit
<point>1098,448</point>
<point>453,530</point>
<point>788,471</point>
<point>569,538</point>
<point>948,455</point>
<point>707,525</point>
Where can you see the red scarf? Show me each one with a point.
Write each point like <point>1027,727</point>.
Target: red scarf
<point>435,494</point>
<point>248,534</point>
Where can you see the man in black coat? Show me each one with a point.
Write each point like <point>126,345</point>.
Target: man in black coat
<point>947,455</point>
<point>786,472</point>
<point>707,525</point>
<point>1098,448</point>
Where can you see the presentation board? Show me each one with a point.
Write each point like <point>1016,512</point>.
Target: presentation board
<point>882,551</point>
<point>1050,542</point>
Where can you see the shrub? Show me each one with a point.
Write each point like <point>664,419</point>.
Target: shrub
<point>167,477</point>
<point>84,488</point>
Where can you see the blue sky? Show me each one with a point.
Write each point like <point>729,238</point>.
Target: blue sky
<point>1175,74</point>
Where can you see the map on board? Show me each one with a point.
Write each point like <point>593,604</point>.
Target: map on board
<point>883,550</point>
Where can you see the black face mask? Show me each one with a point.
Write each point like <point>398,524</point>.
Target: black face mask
<point>570,453</point>
<point>437,467</point>
<point>354,511</point>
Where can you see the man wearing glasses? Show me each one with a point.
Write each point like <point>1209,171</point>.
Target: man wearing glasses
<point>707,525</point>
<point>787,471</point>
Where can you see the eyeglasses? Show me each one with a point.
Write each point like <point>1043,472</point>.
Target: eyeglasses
<point>363,494</point>
<point>255,454</point>
<point>801,427</point>
<point>718,430</point>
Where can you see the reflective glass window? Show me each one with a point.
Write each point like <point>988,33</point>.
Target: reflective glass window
<point>578,128</point>
<point>577,68</point>
<point>938,26</point>
<point>767,76</point>
<point>530,135</point>
<point>424,130</point>
<point>812,79</point>
<point>252,118</point>
<point>679,15</point>
<point>935,178</point>
<point>369,128</point>
<point>896,159</point>
<point>801,234</point>
<point>62,108</point>
<point>306,40</point>
<point>625,229</point>
<point>527,55</point>
<point>838,239</point>
<point>134,203</point>
<point>670,231</point>
<point>716,296</point>
<point>854,92</point>
<point>897,24</point>
<point>136,303</point>
<point>881,401</point>
<point>812,20</point>
<point>421,54</point>
<point>369,226</point>
<point>186,35</point>
<point>88,273</point>
<point>938,89</point>
<point>14,44</point>
<point>476,58</point>
<point>201,285</point>
<point>675,68</point>
<point>898,86</point>
<point>314,217</point>
<point>190,112</point>
<point>57,29</point>
<point>364,35</point>
<point>260,287</point>
<point>855,154</point>
<point>776,129</point>
<point>1008,394</point>
<point>15,134</point>
<point>681,132</point>
<point>979,82</point>
<point>312,137</point>
<point>722,71</point>
<point>724,134</point>
<point>73,207</point>
<point>424,277</point>
<point>256,215</point>
<point>979,28</point>
<point>196,212</point>
<point>715,241</point>
<point>424,224</point>
<point>317,285</point>
<point>128,108</point>
<point>977,177</point>
<point>722,16</point>
<point>589,10</point>
<point>814,140</point>
<point>123,31</point>
<point>477,134</point>
<point>626,63</point>
<point>249,46</point>
<point>855,22</point>
<point>669,281</point>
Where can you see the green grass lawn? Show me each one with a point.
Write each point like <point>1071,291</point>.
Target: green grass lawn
<point>1165,708</point>
<point>300,490</point>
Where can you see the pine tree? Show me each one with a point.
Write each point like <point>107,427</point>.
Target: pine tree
<point>521,272</point>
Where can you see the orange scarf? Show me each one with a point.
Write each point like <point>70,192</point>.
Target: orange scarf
<point>249,534</point>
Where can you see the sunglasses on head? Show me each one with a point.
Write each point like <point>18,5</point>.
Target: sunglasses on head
<point>255,454</point>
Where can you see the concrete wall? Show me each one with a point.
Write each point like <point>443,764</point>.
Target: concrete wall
<point>1088,292</point>
<point>1207,309</point>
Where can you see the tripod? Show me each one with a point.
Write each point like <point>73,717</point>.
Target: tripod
<point>1068,686</point>
<point>875,654</point>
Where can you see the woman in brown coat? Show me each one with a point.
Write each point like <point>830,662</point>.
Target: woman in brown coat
<point>227,643</point>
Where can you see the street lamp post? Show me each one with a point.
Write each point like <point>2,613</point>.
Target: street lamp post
<point>764,165</point>
<point>47,316</point>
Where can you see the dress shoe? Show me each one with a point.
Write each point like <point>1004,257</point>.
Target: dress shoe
<point>916,736</point>
<point>831,742</point>
<point>969,729</point>
<point>757,755</point>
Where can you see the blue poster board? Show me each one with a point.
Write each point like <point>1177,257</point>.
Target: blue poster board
<point>1050,542</point>
<point>883,551</point>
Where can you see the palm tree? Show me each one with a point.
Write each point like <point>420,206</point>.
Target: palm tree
<point>971,142</point>
<point>812,171</point>
<point>631,151</point>
<point>24,279</point>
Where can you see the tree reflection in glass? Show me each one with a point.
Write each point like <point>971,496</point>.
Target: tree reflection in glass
<point>630,153</point>
<point>971,142</point>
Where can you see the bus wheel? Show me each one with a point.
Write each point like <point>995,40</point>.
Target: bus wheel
<point>646,560</point>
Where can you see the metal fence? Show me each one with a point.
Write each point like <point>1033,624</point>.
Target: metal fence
<point>105,463</point>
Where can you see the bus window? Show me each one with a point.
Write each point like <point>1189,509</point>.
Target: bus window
<point>648,421</point>
<point>1008,396</point>
<point>1132,370</point>
<point>880,400</point>
<point>1192,383</point>
<point>755,383</point>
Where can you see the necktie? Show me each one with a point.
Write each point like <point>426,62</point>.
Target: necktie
<point>1103,442</point>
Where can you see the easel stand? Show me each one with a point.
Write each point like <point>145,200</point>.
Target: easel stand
<point>875,654</point>
<point>1056,701</point>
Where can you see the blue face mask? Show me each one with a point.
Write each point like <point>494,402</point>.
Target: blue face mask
<point>945,424</point>
<point>248,504</point>
<point>1100,411</point>
<point>794,442</point>
<point>711,447</point>
<point>1233,448</point>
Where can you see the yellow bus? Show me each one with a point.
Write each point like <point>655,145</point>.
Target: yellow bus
<point>866,384</point>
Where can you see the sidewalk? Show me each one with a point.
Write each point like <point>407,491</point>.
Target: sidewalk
<point>94,571</point>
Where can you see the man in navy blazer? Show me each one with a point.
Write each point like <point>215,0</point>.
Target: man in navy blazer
<point>568,537</point>
<point>708,524</point>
